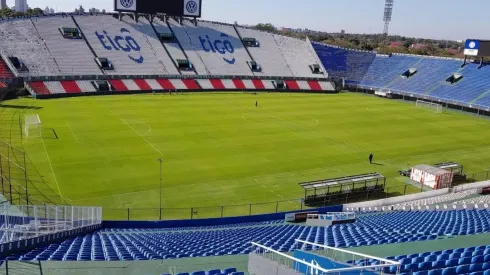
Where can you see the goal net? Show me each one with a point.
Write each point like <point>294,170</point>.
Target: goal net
<point>32,126</point>
<point>429,105</point>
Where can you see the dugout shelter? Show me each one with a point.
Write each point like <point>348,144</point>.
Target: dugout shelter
<point>323,192</point>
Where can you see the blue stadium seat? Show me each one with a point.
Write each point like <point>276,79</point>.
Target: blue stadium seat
<point>449,271</point>
<point>462,269</point>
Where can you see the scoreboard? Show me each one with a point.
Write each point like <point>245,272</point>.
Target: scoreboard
<point>190,8</point>
<point>475,47</point>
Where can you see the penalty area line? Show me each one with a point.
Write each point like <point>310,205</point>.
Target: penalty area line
<point>71,130</point>
<point>52,170</point>
<point>270,190</point>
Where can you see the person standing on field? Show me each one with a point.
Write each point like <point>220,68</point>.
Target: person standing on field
<point>256,104</point>
<point>371,156</point>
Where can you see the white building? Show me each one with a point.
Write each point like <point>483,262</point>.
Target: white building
<point>21,5</point>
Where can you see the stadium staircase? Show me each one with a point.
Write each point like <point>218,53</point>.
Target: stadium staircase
<point>241,39</point>
<point>86,41</point>
<point>165,47</point>
<point>188,46</point>
<point>175,49</point>
<point>480,97</point>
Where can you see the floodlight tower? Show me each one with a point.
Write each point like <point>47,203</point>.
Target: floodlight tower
<point>387,15</point>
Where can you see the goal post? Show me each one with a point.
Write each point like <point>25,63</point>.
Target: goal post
<point>436,107</point>
<point>32,126</point>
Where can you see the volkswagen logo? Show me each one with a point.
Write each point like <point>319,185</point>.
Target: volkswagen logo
<point>191,7</point>
<point>472,44</point>
<point>126,3</point>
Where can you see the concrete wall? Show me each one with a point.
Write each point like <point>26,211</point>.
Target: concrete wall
<point>213,221</point>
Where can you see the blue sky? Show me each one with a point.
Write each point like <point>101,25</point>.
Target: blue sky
<point>416,18</point>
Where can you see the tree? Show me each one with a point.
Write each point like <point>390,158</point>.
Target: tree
<point>34,12</point>
<point>80,10</point>
<point>6,12</point>
<point>267,27</point>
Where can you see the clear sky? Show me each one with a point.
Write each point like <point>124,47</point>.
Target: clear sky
<point>445,19</point>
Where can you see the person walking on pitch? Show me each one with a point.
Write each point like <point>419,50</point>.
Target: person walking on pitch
<point>371,158</point>
<point>256,104</point>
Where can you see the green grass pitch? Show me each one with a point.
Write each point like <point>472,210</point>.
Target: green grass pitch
<point>219,149</point>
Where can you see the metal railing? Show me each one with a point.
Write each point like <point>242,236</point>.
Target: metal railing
<point>20,182</point>
<point>22,222</point>
<point>205,212</point>
<point>223,211</point>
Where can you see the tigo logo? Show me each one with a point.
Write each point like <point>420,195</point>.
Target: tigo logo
<point>222,46</point>
<point>119,43</point>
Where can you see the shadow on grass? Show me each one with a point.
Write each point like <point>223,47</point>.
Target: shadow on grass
<point>20,107</point>
<point>49,133</point>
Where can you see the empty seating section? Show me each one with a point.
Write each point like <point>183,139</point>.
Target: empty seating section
<point>19,38</point>
<point>437,199</point>
<point>475,82</point>
<point>268,55</point>
<point>385,70</point>
<point>368,70</point>
<point>224,226</point>
<point>430,71</point>
<point>173,49</point>
<point>145,244</point>
<point>191,49</point>
<point>220,48</point>
<point>479,200</point>
<point>73,56</point>
<point>298,55</point>
<point>474,260</point>
<point>343,63</point>
<point>144,26</point>
<point>128,49</point>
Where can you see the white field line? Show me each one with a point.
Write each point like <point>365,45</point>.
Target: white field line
<point>287,174</point>
<point>308,128</point>
<point>270,190</point>
<point>151,144</point>
<point>52,170</point>
<point>71,130</point>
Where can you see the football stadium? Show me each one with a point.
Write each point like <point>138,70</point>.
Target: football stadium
<point>149,141</point>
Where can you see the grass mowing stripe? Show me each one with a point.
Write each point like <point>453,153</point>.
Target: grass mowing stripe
<point>215,154</point>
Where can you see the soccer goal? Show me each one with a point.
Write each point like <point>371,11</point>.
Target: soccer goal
<point>429,105</point>
<point>33,126</point>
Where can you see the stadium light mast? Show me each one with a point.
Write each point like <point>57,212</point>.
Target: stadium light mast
<point>160,160</point>
<point>387,15</point>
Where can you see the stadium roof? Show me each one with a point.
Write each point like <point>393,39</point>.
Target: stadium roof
<point>446,165</point>
<point>342,180</point>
